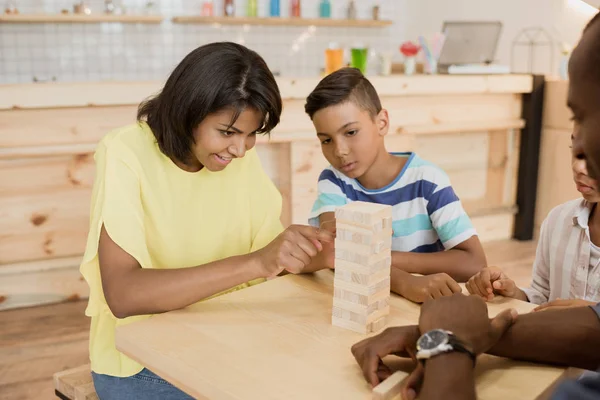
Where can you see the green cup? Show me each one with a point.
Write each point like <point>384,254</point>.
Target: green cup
<point>359,59</point>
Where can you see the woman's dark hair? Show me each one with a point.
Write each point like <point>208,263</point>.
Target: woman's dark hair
<point>211,78</point>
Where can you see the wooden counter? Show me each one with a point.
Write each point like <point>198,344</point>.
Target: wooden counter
<point>468,125</point>
<point>276,341</point>
<point>555,182</point>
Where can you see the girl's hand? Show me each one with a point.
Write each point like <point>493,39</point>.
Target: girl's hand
<point>292,250</point>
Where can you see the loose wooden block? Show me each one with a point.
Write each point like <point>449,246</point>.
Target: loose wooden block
<point>378,325</point>
<point>390,388</point>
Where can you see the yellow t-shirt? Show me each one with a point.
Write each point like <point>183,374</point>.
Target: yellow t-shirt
<point>168,218</point>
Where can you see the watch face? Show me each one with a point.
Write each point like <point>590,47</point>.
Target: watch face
<point>433,339</point>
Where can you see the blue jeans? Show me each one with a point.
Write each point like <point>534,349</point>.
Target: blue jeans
<point>144,385</point>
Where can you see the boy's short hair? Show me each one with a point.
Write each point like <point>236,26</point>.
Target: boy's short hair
<point>592,21</point>
<point>346,84</point>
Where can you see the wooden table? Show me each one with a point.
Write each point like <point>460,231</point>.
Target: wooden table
<point>276,341</point>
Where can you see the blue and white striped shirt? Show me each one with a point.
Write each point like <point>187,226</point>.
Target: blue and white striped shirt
<point>427,215</point>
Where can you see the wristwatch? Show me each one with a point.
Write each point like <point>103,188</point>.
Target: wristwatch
<point>439,341</point>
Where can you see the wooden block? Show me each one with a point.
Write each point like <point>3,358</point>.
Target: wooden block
<point>362,308</point>
<point>364,249</point>
<point>390,388</point>
<point>363,214</point>
<point>361,259</point>
<point>384,263</point>
<point>356,234</point>
<point>378,325</point>
<point>367,279</point>
<point>346,324</point>
<point>360,318</point>
<point>353,297</point>
<point>384,284</point>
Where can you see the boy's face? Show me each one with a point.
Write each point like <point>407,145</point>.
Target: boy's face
<point>584,98</point>
<point>350,138</point>
<point>587,186</point>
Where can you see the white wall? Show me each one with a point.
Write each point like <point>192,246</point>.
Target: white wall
<point>93,52</point>
<point>562,19</point>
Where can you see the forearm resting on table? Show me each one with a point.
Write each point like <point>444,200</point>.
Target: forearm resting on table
<point>449,377</point>
<point>460,264</point>
<point>564,337</point>
<point>399,280</point>
<point>131,290</point>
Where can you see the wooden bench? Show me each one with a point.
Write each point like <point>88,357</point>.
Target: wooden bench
<point>75,384</point>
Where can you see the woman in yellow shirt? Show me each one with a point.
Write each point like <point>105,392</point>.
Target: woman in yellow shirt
<point>182,209</point>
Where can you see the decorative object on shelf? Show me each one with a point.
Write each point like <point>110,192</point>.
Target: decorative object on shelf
<point>150,7</point>
<point>228,8</point>
<point>252,8</point>
<point>207,9</point>
<point>334,58</point>
<point>430,57</point>
<point>376,9</point>
<point>274,9</point>
<point>325,9</point>
<point>295,9</point>
<point>351,12</point>
<point>563,68</point>
<point>109,7</point>
<point>11,7</point>
<point>532,39</point>
<point>409,50</point>
<point>359,57</point>
<point>81,8</point>
<point>385,63</point>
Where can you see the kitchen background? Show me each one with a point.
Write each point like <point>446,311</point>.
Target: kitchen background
<point>126,52</point>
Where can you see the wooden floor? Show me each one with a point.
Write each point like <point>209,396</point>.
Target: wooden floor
<point>36,342</point>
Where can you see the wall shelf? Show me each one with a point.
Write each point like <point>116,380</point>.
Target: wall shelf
<point>277,21</point>
<point>79,18</point>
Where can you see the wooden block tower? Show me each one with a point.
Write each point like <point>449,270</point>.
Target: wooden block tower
<point>363,258</point>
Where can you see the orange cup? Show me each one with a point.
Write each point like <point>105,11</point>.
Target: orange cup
<point>334,60</point>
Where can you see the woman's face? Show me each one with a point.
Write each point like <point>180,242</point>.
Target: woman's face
<point>216,143</point>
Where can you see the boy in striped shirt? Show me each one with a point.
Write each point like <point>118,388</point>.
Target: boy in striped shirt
<point>566,271</point>
<point>432,234</point>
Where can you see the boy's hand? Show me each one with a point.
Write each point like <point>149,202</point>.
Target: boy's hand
<point>559,304</point>
<point>292,250</point>
<point>421,288</point>
<point>492,280</point>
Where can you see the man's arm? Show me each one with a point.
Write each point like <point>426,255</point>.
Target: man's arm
<point>568,337</point>
<point>449,376</point>
<point>461,262</point>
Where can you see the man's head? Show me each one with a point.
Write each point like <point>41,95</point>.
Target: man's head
<point>350,123</point>
<point>584,96</point>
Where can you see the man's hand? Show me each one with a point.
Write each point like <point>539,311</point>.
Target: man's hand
<point>560,304</point>
<point>400,341</point>
<point>421,288</point>
<point>467,318</point>
<point>492,280</point>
